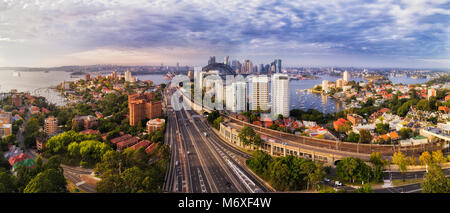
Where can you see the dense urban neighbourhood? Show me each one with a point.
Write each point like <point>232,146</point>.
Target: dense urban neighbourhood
<point>94,126</point>
<point>113,126</point>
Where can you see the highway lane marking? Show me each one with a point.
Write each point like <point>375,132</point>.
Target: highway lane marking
<point>212,184</point>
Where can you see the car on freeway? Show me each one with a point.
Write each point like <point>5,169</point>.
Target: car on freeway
<point>326,179</point>
<point>337,183</point>
<point>176,163</point>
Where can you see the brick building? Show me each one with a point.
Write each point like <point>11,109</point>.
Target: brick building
<point>51,125</point>
<point>155,124</point>
<point>355,119</point>
<point>16,100</point>
<point>142,106</point>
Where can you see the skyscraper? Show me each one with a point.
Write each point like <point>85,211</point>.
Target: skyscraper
<point>236,96</point>
<point>324,85</point>
<point>129,77</point>
<point>345,76</point>
<point>278,66</point>
<point>225,60</point>
<point>280,95</point>
<point>260,93</point>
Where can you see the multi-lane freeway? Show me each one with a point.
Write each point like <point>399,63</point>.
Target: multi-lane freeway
<point>201,162</point>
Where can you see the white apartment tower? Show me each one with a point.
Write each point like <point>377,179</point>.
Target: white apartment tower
<point>324,85</point>
<point>280,95</point>
<point>345,77</point>
<point>236,96</point>
<point>260,93</point>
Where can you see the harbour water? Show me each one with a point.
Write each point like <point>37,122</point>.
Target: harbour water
<point>39,83</point>
<point>36,83</point>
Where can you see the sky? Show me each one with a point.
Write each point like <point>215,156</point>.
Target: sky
<point>373,33</point>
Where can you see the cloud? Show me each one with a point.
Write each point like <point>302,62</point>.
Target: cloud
<point>250,28</point>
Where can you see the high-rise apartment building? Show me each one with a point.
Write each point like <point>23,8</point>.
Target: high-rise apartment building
<point>236,96</point>
<point>280,95</point>
<point>339,83</point>
<point>324,85</point>
<point>16,100</point>
<point>129,76</point>
<point>260,93</point>
<point>5,124</point>
<point>345,76</point>
<point>51,125</point>
<point>142,107</point>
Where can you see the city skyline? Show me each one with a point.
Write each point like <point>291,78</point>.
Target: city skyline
<point>350,33</point>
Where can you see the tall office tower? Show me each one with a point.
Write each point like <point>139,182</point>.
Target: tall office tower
<point>260,69</point>
<point>324,85</point>
<point>249,67</point>
<point>345,77</point>
<point>278,66</point>
<point>225,60</point>
<point>51,125</point>
<point>178,66</point>
<point>212,60</point>
<point>235,65</point>
<point>260,93</point>
<point>267,69</point>
<point>280,95</point>
<point>236,96</point>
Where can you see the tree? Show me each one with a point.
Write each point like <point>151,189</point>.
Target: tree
<point>346,169</point>
<point>353,137</point>
<point>7,183</point>
<point>217,121</point>
<point>366,188</point>
<point>435,181</point>
<point>345,128</point>
<point>412,160</point>
<point>379,164</point>
<point>438,157</point>
<point>382,128</point>
<point>111,183</point>
<point>364,136</point>
<point>49,181</point>
<point>31,131</point>
<point>247,135</point>
<point>401,161</point>
<point>424,105</point>
<point>425,158</point>
<point>405,133</point>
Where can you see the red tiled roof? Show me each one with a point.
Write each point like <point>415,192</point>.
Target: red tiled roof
<point>121,138</point>
<point>127,143</point>
<point>18,158</point>
<point>150,148</point>
<point>143,143</point>
<point>90,132</point>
